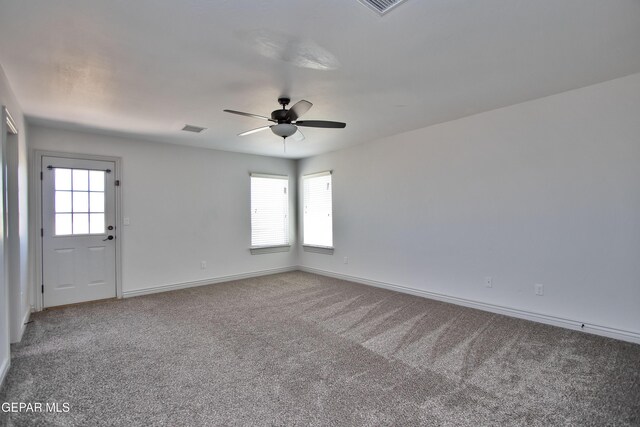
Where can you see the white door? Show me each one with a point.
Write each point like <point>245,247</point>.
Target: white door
<point>78,236</point>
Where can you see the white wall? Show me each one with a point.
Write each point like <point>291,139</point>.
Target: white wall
<point>186,205</point>
<point>546,192</point>
<point>14,306</point>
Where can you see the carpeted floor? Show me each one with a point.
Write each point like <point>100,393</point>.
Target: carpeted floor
<point>301,349</point>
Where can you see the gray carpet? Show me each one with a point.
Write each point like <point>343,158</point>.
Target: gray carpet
<point>301,349</point>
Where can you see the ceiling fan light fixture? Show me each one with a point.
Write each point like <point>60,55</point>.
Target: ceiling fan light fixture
<point>284,130</point>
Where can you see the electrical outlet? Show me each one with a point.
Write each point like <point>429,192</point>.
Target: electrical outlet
<point>126,221</point>
<point>203,265</point>
<point>346,260</point>
<point>488,282</point>
<point>539,289</point>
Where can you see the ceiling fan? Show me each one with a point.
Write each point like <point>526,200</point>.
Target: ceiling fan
<point>286,121</point>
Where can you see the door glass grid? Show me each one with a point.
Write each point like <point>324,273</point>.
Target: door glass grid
<point>79,201</point>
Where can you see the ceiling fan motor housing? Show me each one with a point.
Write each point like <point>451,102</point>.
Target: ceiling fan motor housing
<point>280,116</point>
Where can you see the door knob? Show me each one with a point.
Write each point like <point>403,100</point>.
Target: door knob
<point>108,238</point>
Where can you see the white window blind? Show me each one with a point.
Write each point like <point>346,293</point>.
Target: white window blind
<point>318,206</point>
<point>269,210</point>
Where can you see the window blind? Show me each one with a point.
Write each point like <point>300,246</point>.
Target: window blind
<point>318,207</point>
<point>269,210</point>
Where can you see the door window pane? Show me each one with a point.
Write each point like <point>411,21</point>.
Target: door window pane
<point>80,180</point>
<point>96,201</point>
<point>63,201</point>
<point>96,180</point>
<point>80,201</point>
<point>63,224</point>
<point>81,223</point>
<point>78,210</point>
<point>63,179</point>
<point>96,223</point>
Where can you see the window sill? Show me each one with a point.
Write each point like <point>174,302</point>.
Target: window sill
<point>257,250</point>
<point>327,250</point>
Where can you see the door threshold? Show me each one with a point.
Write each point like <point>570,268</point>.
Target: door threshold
<point>75,304</point>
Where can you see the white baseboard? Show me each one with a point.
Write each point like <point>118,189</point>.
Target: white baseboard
<point>4,369</point>
<point>17,336</point>
<point>619,334</point>
<point>25,320</point>
<point>211,281</point>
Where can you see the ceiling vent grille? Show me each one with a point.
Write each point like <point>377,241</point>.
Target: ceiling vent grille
<point>381,6</point>
<point>192,128</point>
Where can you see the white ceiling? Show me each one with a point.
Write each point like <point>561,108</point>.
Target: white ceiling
<point>144,68</point>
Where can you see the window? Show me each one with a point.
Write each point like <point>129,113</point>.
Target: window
<point>79,201</point>
<point>269,210</point>
<point>317,219</point>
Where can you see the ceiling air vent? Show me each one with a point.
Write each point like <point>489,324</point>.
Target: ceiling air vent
<point>381,6</point>
<point>192,128</point>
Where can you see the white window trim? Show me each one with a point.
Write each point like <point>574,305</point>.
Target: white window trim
<point>326,250</point>
<point>268,175</point>
<point>317,174</point>
<point>258,250</point>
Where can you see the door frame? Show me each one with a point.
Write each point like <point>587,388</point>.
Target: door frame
<point>36,162</point>
<point>16,280</point>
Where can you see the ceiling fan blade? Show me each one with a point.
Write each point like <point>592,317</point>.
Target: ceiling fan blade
<point>321,124</point>
<point>249,132</point>
<point>298,136</point>
<point>298,109</point>
<point>248,115</point>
